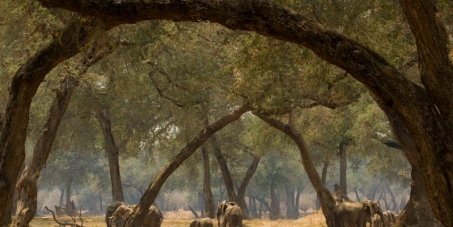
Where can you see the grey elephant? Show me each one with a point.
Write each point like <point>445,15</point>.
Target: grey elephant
<point>357,213</point>
<point>153,218</point>
<point>229,212</point>
<point>202,222</point>
<point>120,215</point>
<point>110,210</point>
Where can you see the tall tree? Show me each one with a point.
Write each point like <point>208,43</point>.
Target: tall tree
<point>23,87</point>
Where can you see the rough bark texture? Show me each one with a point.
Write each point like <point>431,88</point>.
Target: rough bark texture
<point>23,87</point>
<point>245,182</point>
<point>150,194</point>
<point>417,212</point>
<point>226,175</point>
<point>326,199</point>
<point>103,117</point>
<point>27,201</point>
<point>208,196</point>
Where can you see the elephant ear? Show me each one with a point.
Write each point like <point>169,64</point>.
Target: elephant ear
<point>368,204</point>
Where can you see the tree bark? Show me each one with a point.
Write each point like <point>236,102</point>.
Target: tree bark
<point>426,113</point>
<point>343,166</point>
<point>23,87</point>
<point>273,212</point>
<point>62,190</point>
<point>150,194</point>
<point>325,197</point>
<point>208,196</point>
<point>68,205</point>
<point>245,182</point>
<point>26,185</point>
<point>417,211</point>
<point>227,179</point>
<point>103,117</point>
<point>27,201</point>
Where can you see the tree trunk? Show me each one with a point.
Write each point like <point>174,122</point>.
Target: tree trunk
<point>68,205</point>
<point>417,212</point>
<point>101,206</point>
<point>357,194</point>
<point>392,196</point>
<point>252,207</point>
<point>27,202</point>
<point>343,166</point>
<point>326,199</point>
<point>208,196</point>
<point>245,182</point>
<point>227,179</point>
<point>289,201</point>
<point>274,213</point>
<point>103,116</point>
<point>62,189</point>
<point>150,195</point>
<point>292,202</point>
<point>23,87</point>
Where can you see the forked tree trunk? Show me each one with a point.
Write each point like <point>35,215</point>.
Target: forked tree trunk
<point>417,212</point>
<point>27,186</point>
<point>103,117</point>
<point>227,179</point>
<point>136,218</point>
<point>208,196</point>
<point>245,182</point>
<point>23,87</point>
<point>326,199</point>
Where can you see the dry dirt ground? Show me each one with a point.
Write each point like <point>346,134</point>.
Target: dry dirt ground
<point>183,218</point>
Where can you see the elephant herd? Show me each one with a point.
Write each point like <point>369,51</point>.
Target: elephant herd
<point>227,213</point>
<point>359,213</point>
<point>347,213</point>
<point>118,212</point>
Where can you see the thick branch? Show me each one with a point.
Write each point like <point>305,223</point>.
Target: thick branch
<point>433,48</point>
<point>150,195</point>
<point>325,197</point>
<point>23,87</point>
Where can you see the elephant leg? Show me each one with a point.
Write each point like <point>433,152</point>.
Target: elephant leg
<point>224,222</point>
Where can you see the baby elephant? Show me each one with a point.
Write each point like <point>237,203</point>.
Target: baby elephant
<point>202,222</point>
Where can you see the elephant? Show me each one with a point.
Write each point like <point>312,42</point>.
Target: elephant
<point>356,213</point>
<point>202,222</point>
<point>120,215</point>
<point>389,218</point>
<point>153,218</point>
<point>229,212</point>
<point>110,210</point>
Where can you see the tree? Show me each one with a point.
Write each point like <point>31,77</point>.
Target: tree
<point>424,111</point>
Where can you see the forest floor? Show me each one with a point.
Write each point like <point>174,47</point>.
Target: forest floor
<point>183,218</point>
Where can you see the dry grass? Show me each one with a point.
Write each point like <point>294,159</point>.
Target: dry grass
<point>183,218</point>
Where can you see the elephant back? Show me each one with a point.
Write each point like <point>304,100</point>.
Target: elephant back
<point>153,218</point>
<point>110,210</point>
